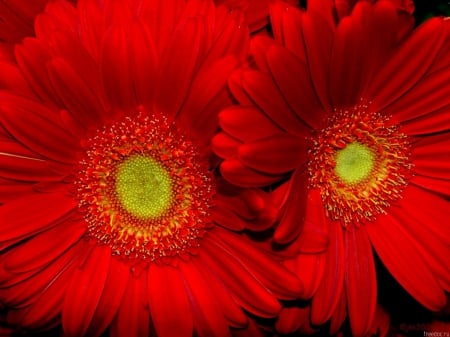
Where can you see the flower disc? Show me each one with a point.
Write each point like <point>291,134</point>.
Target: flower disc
<point>360,165</point>
<point>143,189</point>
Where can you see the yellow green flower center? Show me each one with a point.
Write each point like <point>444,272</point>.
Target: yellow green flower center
<point>143,187</point>
<point>354,163</point>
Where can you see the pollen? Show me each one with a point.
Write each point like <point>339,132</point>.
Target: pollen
<point>360,163</point>
<point>144,189</point>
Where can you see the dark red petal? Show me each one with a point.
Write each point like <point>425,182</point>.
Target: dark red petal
<point>13,80</point>
<point>360,278</point>
<point>32,56</point>
<point>84,292</point>
<point>310,269</point>
<point>434,122</point>
<point>328,294</point>
<point>113,292</point>
<point>262,89</point>
<point>133,317</point>
<point>78,98</point>
<point>291,75</point>
<point>144,61</point>
<point>224,146</point>
<point>314,236</point>
<point>339,315</point>
<point>37,127</point>
<point>292,319</point>
<point>434,185</point>
<point>206,306</point>
<point>396,77</point>
<point>47,308</point>
<point>44,247</point>
<point>233,171</point>
<point>262,267</point>
<point>428,95</point>
<point>178,65</point>
<point>346,70</point>
<point>401,256</point>
<point>291,26</point>
<point>259,46</point>
<point>294,209</point>
<point>19,163</point>
<point>318,37</point>
<point>274,155</point>
<point>230,309</point>
<point>247,123</point>
<point>170,309</point>
<point>247,291</point>
<point>236,88</point>
<point>38,216</point>
<point>209,83</point>
<point>115,67</point>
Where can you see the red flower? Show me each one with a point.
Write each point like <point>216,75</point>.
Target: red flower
<point>357,117</point>
<point>108,202</point>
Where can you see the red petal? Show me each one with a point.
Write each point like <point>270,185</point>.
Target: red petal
<point>224,146</point>
<point>314,236</point>
<point>427,96</point>
<point>44,247</point>
<point>108,306</point>
<point>35,212</point>
<point>318,38</point>
<point>401,256</point>
<point>291,75</point>
<point>84,292</point>
<point>19,163</point>
<point>274,155</point>
<point>210,81</point>
<point>329,292</point>
<point>37,127</point>
<point>133,317</point>
<point>434,122</point>
<point>206,306</point>
<point>170,309</point>
<point>294,209</point>
<point>79,99</point>
<point>243,286</point>
<point>178,65</point>
<point>233,171</point>
<point>360,278</point>
<point>396,76</point>
<point>262,267</point>
<point>310,269</point>
<point>440,186</point>
<point>292,319</point>
<point>115,67</point>
<point>247,123</point>
<point>262,89</point>
<point>144,61</point>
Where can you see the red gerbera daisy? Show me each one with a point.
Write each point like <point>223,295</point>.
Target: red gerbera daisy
<point>358,117</point>
<point>109,210</point>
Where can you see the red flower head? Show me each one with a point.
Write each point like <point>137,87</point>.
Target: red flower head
<point>109,207</point>
<point>357,118</point>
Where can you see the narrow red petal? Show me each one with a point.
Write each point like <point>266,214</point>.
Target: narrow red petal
<point>291,75</point>
<point>233,171</point>
<point>274,155</point>
<point>84,292</point>
<point>207,314</point>
<point>37,127</point>
<point>400,255</point>
<point>169,302</point>
<point>247,291</point>
<point>329,292</point>
<point>113,292</point>
<point>424,43</point>
<point>178,65</point>
<point>37,218</point>
<point>360,278</point>
<point>262,267</point>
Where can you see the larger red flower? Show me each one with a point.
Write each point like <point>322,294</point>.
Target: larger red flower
<point>109,208</point>
<point>357,117</point>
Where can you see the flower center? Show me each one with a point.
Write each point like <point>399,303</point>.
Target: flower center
<point>354,162</point>
<point>143,189</point>
<point>360,164</point>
